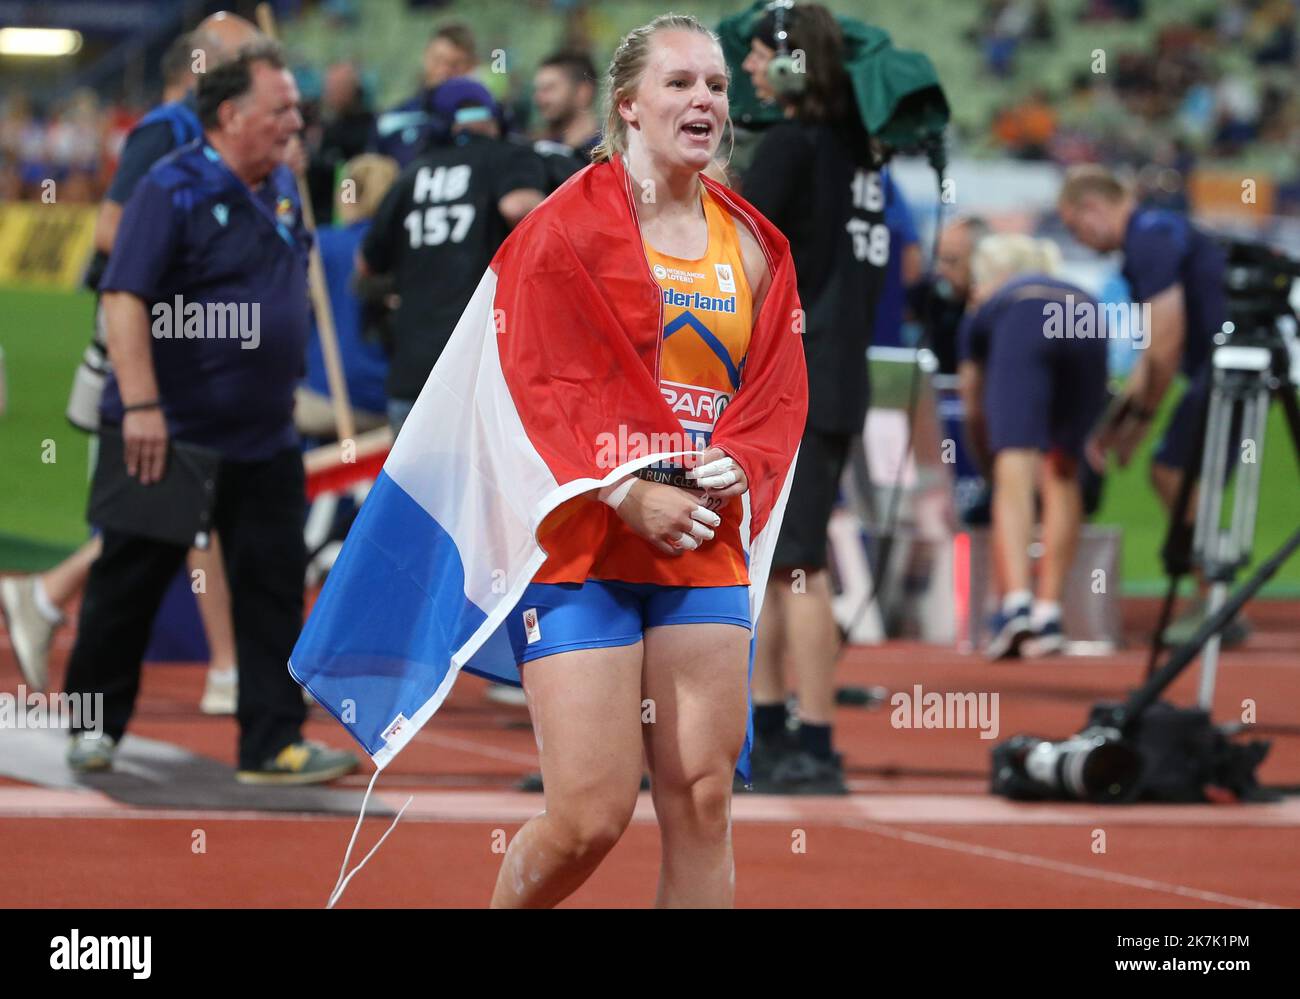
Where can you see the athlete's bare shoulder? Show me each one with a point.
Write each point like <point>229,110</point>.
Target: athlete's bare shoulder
<point>756,272</point>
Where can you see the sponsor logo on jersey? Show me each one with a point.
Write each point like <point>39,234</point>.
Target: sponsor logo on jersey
<point>726,280</point>
<point>698,302</point>
<point>663,273</point>
<point>693,405</point>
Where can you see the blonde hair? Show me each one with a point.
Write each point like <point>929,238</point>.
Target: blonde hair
<point>625,72</point>
<point>1089,178</point>
<point>373,175</point>
<point>1001,257</point>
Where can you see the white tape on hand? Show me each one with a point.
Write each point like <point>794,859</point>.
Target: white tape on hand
<point>716,474</point>
<point>686,542</point>
<point>699,532</point>
<point>614,495</point>
<point>705,516</point>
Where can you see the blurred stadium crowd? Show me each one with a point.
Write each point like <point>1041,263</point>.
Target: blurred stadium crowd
<point>1213,85</point>
<point>1176,100</point>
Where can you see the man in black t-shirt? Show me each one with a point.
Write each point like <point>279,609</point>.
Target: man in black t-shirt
<point>815,177</point>
<point>438,228</point>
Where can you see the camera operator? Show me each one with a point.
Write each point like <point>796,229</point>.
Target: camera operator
<point>1178,271</point>
<point>815,176</point>
<point>1031,396</point>
<point>438,227</point>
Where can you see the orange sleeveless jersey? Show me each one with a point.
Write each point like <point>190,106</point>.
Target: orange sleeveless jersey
<point>708,318</point>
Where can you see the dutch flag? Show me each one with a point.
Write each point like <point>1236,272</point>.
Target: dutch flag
<point>559,345</point>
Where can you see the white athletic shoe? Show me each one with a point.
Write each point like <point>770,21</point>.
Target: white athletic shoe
<point>29,632</point>
<point>220,692</point>
<point>87,755</point>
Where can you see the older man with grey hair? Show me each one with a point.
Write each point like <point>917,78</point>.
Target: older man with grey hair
<point>214,225</point>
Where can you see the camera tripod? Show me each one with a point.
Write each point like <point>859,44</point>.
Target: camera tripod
<point>1247,374</point>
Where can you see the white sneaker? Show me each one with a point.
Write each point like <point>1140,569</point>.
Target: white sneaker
<point>220,692</point>
<point>88,755</point>
<point>29,632</point>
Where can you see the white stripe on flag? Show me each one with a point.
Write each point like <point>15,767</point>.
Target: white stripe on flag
<point>764,546</point>
<point>463,456</point>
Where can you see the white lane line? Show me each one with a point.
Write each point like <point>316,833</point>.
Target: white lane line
<point>482,749</point>
<point>877,810</point>
<point>187,815</point>
<point>1059,866</point>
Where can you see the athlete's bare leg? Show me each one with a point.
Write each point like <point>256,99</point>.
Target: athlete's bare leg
<point>1015,472</point>
<point>695,681</point>
<point>1062,520</point>
<point>586,710</point>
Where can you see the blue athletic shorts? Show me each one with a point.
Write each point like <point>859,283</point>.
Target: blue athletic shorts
<point>1040,393</point>
<point>598,614</point>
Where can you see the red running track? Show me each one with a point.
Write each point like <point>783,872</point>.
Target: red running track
<point>919,830</point>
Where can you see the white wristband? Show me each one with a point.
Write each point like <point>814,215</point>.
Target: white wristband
<point>614,495</point>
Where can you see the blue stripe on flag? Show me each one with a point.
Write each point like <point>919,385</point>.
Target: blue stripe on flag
<point>393,610</point>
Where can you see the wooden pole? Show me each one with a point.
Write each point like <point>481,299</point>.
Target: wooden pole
<point>320,299</point>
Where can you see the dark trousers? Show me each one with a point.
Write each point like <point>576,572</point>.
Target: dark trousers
<point>259,514</point>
